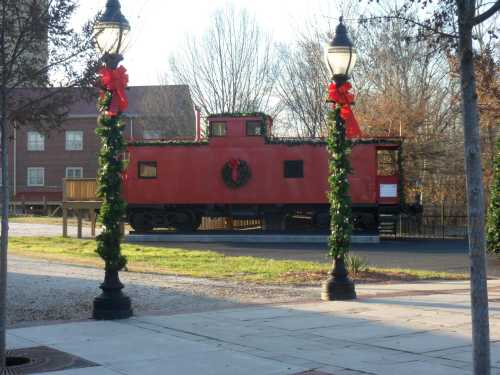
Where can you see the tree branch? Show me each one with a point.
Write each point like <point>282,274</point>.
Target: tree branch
<point>487,14</point>
<point>412,21</point>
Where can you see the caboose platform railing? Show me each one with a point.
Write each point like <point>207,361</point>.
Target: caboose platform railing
<point>80,196</point>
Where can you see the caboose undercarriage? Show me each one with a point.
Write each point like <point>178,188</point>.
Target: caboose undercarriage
<point>188,218</point>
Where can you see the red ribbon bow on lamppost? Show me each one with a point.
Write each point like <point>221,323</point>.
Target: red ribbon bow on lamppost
<point>234,164</point>
<point>115,81</point>
<point>344,98</point>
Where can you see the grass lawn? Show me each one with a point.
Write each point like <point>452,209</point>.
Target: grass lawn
<point>206,264</point>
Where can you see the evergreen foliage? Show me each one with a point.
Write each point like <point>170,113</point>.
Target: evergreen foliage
<point>493,227</point>
<point>109,181</point>
<point>339,168</point>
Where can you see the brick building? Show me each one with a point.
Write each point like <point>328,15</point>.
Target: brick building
<point>40,160</point>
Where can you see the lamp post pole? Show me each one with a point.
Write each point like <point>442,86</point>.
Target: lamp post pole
<point>340,59</point>
<point>110,35</point>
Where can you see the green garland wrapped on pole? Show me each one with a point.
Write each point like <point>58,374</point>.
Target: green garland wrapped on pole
<point>493,225</point>
<point>338,286</point>
<point>338,147</point>
<point>112,303</point>
<point>112,209</point>
<point>111,33</point>
<point>342,126</point>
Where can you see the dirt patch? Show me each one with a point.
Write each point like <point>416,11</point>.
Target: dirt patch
<point>363,277</point>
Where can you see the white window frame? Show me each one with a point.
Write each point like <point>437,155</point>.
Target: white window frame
<point>66,174</point>
<point>69,144</point>
<point>36,141</point>
<point>31,169</point>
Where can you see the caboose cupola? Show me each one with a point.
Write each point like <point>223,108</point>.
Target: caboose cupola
<point>239,125</point>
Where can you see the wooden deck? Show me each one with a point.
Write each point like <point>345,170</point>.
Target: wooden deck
<point>80,196</point>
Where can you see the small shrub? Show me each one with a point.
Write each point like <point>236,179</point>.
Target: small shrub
<point>356,264</point>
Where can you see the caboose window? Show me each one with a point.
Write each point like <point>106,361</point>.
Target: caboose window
<point>387,163</point>
<point>218,129</point>
<point>147,169</point>
<point>254,128</point>
<point>294,168</point>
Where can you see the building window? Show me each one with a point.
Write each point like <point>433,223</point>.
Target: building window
<point>74,172</point>
<point>1,177</point>
<point>147,169</point>
<point>254,128</point>
<point>36,141</point>
<point>294,169</point>
<point>36,176</point>
<point>218,129</point>
<point>74,140</point>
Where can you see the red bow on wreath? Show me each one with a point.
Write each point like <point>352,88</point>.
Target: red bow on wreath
<point>344,98</point>
<point>234,164</point>
<point>115,80</point>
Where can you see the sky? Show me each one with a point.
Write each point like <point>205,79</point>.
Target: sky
<point>159,27</point>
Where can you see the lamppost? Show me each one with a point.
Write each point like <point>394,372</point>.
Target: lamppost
<point>340,58</point>
<point>111,33</point>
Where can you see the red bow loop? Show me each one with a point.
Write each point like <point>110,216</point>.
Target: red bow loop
<point>344,98</point>
<point>234,164</point>
<point>115,81</point>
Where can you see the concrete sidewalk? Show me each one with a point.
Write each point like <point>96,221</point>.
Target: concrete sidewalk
<point>413,329</point>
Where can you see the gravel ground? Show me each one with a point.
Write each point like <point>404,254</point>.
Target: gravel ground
<point>37,230</point>
<point>45,291</point>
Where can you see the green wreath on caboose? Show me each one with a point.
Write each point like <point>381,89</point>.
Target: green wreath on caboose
<point>236,173</point>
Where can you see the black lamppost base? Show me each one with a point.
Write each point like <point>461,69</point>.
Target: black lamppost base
<point>112,305</point>
<point>338,287</point>
<point>335,290</point>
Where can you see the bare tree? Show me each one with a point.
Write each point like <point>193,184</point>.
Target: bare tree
<point>301,87</point>
<point>450,26</point>
<point>231,68</point>
<point>166,112</point>
<point>39,49</point>
<point>405,90</point>
<point>303,80</point>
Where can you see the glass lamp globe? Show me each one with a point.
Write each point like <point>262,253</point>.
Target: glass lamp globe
<point>340,54</point>
<point>112,29</point>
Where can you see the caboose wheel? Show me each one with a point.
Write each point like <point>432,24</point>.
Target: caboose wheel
<point>186,221</point>
<point>141,222</point>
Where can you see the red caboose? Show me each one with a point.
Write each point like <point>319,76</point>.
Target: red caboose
<point>241,171</point>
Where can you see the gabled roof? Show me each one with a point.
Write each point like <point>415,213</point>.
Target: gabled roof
<point>141,98</point>
<point>167,108</point>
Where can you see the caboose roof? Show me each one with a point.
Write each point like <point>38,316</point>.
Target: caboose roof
<point>238,114</point>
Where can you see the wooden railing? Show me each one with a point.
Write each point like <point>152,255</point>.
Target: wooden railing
<point>80,190</point>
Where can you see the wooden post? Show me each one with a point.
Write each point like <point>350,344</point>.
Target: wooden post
<point>229,223</point>
<point>93,218</point>
<point>44,203</point>
<point>65,221</point>
<point>122,228</point>
<point>442,218</point>
<point>79,221</point>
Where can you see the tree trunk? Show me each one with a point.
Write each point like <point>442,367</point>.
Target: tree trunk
<point>475,191</point>
<point>5,225</point>
<point>4,142</point>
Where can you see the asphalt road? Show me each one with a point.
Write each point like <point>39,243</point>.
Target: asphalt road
<point>435,255</point>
